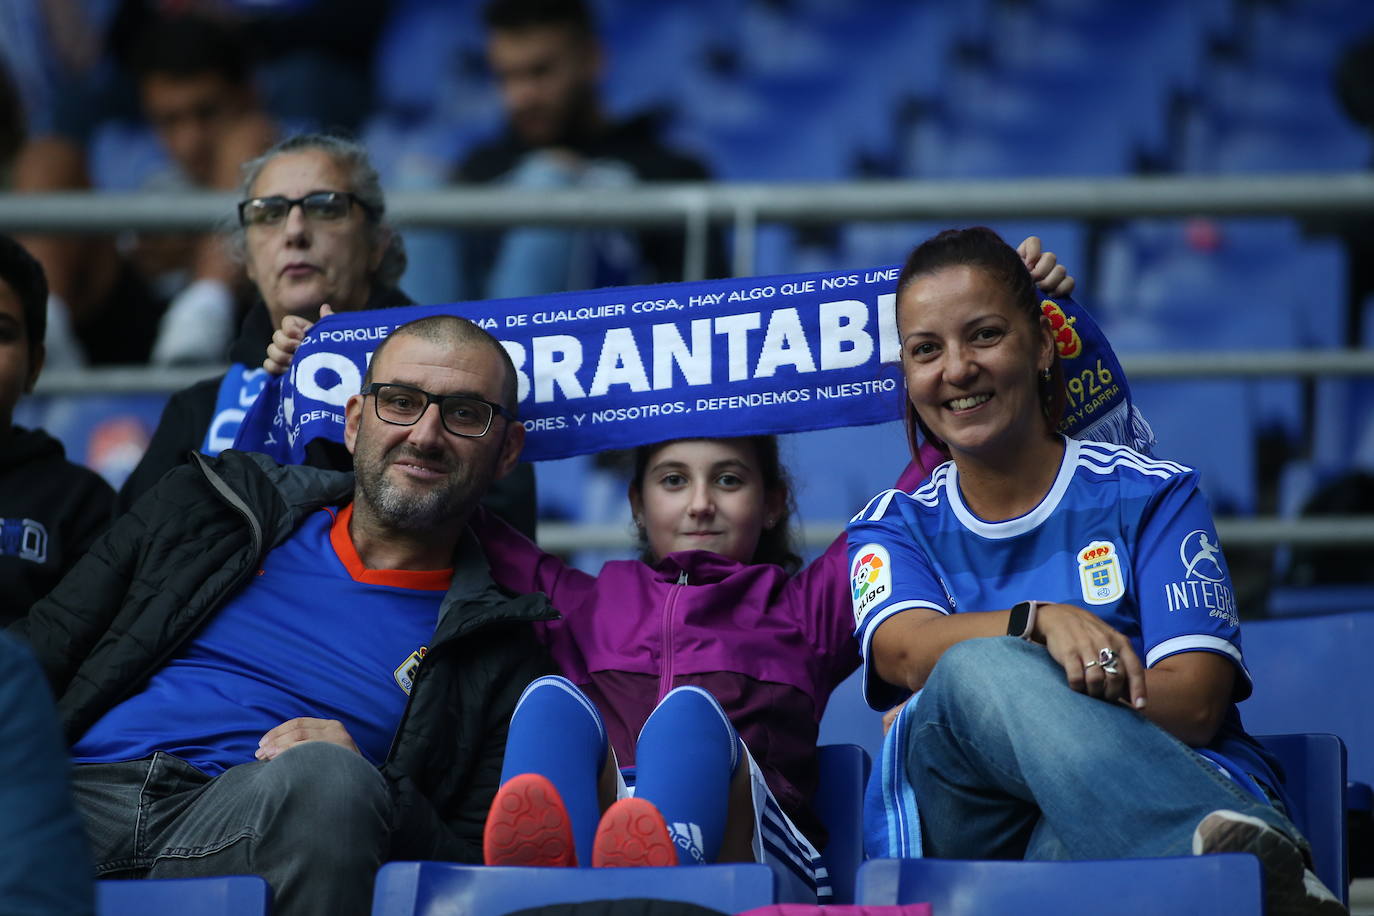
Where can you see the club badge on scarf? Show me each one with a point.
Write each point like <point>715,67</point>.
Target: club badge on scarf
<point>624,366</point>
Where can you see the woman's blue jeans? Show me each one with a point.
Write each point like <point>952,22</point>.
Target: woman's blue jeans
<point>1008,762</point>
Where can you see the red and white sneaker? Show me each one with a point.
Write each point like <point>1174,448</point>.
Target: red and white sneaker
<point>528,825</point>
<point>632,833</point>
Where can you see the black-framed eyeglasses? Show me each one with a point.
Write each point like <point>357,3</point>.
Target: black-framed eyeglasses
<point>461,414</point>
<point>318,206</point>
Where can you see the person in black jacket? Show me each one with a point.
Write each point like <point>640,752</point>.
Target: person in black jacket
<point>546,59</point>
<point>297,672</point>
<point>312,233</point>
<point>50,509</point>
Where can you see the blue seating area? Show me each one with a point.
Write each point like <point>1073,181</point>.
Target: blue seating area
<point>235,895</point>
<point>1216,885</point>
<point>1315,766</point>
<point>438,888</point>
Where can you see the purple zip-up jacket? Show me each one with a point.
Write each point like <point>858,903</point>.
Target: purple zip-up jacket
<point>770,648</point>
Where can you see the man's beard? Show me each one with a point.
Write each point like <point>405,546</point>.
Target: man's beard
<point>420,509</point>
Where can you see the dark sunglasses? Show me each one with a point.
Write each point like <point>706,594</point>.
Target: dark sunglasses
<point>319,206</point>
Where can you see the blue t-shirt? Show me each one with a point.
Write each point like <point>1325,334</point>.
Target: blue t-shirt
<point>313,634</point>
<point>1125,536</point>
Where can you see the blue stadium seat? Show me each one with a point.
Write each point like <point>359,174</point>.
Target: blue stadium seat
<point>838,802</point>
<point>848,720</point>
<point>1220,885</point>
<point>1210,426</point>
<point>441,888</point>
<point>235,895</point>
<point>1309,678</point>
<point>1314,777</point>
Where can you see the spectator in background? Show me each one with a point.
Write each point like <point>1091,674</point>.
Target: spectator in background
<point>50,509</point>
<point>170,298</point>
<point>312,233</point>
<point>239,661</point>
<point>45,866</point>
<point>547,61</point>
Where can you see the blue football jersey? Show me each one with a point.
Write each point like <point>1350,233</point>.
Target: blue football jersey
<point>1125,536</point>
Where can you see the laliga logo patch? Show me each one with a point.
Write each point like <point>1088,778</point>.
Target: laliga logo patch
<point>870,580</point>
<point>1099,572</point>
<point>1066,339</point>
<point>405,674</point>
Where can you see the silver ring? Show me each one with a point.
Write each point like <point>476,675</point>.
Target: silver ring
<point>1091,664</point>
<point>1107,659</point>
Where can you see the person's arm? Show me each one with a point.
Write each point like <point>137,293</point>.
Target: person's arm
<point>520,566</point>
<point>1192,649</point>
<point>1189,695</point>
<point>906,622</point>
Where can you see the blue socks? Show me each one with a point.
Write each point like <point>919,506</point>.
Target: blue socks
<point>557,732</point>
<point>687,753</point>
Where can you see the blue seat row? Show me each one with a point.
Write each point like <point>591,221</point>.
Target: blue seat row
<point>1316,772</point>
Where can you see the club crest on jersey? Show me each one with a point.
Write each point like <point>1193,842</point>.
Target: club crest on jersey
<point>405,674</point>
<point>870,580</point>
<point>1099,572</point>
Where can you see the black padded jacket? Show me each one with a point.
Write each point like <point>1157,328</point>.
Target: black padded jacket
<point>166,566</point>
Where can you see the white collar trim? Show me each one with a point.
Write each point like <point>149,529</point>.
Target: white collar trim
<point>1022,523</point>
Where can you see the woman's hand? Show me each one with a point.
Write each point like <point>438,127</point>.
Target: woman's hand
<point>1075,639</point>
<point>287,339</point>
<point>1049,275</point>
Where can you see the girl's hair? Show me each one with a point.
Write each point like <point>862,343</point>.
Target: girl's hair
<point>984,250</point>
<point>775,544</point>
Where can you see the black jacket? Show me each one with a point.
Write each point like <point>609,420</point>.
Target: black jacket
<point>50,512</point>
<point>186,418</point>
<point>172,561</point>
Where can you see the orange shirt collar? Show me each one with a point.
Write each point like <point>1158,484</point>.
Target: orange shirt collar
<point>436,580</point>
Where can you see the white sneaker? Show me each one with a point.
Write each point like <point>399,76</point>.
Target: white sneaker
<point>1290,887</point>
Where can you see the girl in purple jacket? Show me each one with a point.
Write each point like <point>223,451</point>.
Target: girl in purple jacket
<point>714,615</point>
<point>705,666</point>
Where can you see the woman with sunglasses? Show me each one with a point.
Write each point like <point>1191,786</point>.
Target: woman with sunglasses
<point>1106,726</point>
<point>313,236</point>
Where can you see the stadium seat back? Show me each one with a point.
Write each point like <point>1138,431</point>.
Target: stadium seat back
<point>1220,885</point>
<point>1314,771</point>
<point>232,895</point>
<point>839,804</point>
<point>1308,678</point>
<point>438,888</point>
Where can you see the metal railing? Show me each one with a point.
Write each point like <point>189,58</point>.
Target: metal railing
<point>698,207</point>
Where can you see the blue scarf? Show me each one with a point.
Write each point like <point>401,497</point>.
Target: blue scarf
<point>625,366</point>
<point>238,391</point>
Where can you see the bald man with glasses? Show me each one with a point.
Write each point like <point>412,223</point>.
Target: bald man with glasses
<point>302,673</point>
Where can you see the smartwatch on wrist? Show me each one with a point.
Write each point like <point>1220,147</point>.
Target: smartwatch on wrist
<point>1022,620</point>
